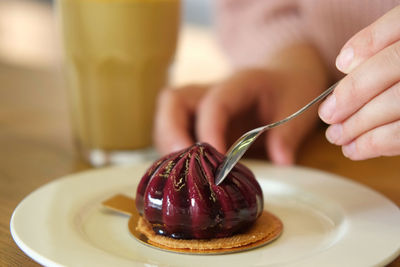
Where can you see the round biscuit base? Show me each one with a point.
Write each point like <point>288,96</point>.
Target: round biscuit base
<point>265,229</point>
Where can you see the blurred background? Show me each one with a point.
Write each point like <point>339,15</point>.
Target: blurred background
<point>34,117</point>
<point>28,37</point>
<point>34,123</point>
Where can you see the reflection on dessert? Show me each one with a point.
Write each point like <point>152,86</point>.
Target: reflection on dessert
<point>178,196</point>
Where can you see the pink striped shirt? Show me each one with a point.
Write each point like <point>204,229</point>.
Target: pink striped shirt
<point>252,30</point>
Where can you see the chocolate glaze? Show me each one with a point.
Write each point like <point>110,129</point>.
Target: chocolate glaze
<point>178,196</point>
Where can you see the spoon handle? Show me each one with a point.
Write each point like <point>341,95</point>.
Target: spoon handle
<point>237,150</point>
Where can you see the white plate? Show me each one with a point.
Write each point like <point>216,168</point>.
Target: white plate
<point>328,221</point>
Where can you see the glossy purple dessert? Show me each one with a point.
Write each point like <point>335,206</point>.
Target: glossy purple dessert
<point>178,196</point>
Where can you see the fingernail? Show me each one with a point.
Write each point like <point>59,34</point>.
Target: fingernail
<point>349,150</point>
<point>343,61</point>
<point>327,108</point>
<point>334,133</point>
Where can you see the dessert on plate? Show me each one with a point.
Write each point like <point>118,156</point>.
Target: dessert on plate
<point>182,207</point>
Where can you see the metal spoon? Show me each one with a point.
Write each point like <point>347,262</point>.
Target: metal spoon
<point>241,145</point>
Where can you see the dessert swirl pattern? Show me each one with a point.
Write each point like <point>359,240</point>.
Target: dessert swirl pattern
<point>178,196</point>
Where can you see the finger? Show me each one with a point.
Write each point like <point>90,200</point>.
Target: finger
<point>215,112</point>
<point>356,89</point>
<point>278,150</point>
<point>283,142</point>
<point>381,110</point>
<point>173,117</point>
<point>369,41</point>
<point>381,141</point>
<point>212,120</point>
<point>223,102</point>
<point>171,131</point>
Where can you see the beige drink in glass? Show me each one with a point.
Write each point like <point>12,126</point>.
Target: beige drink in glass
<point>117,55</point>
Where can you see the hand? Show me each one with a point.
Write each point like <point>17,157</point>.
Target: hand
<point>364,110</point>
<point>222,112</point>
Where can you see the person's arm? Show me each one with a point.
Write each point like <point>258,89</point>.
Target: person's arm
<point>278,70</point>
